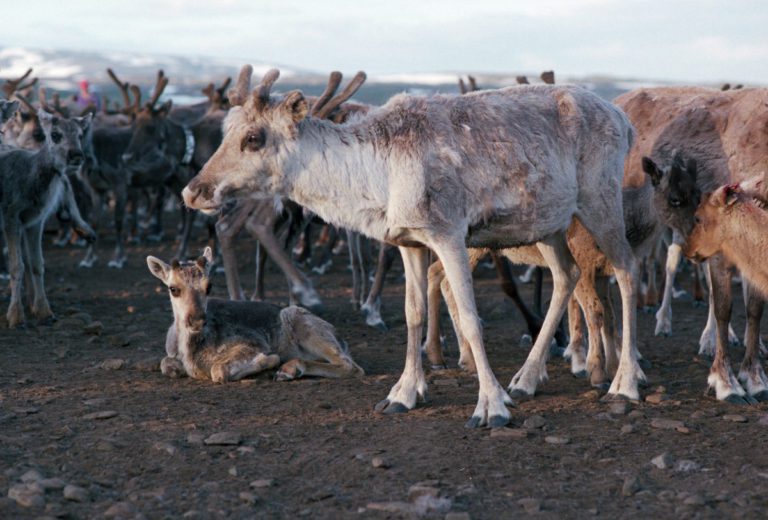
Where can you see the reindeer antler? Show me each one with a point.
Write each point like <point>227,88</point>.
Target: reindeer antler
<point>344,95</point>
<point>334,80</point>
<point>548,77</point>
<point>160,85</point>
<point>42,98</point>
<point>237,95</point>
<point>123,88</point>
<point>472,83</point>
<point>462,86</point>
<point>136,91</point>
<point>24,101</point>
<point>12,85</point>
<point>222,90</point>
<point>262,91</point>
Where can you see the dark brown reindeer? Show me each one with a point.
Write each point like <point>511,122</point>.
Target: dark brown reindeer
<point>164,153</point>
<point>224,340</point>
<point>444,173</point>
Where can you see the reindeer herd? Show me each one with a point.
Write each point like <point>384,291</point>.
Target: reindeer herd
<point>545,175</point>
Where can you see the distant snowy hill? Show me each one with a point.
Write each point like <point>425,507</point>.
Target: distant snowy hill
<point>62,70</point>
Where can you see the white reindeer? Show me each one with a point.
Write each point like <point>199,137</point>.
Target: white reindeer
<point>493,169</point>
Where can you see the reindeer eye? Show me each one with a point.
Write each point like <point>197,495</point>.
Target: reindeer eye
<point>254,140</point>
<point>56,136</point>
<point>175,291</point>
<point>675,202</point>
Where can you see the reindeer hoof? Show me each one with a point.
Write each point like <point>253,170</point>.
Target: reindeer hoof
<point>761,396</point>
<point>388,408</point>
<point>581,374</point>
<point>609,398</point>
<point>520,395</point>
<point>473,422</point>
<point>438,367</point>
<point>379,325</point>
<point>497,421</point>
<point>48,320</point>
<point>736,399</point>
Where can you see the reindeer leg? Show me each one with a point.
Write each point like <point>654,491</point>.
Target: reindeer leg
<point>300,284</point>
<point>565,275</point>
<point>353,243</point>
<point>314,338</point>
<point>228,226</point>
<point>532,321</point>
<point>575,351</point>
<point>12,228</point>
<point>372,306</point>
<point>721,377</point>
<point>491,407</point>
<point>33,238</point>
<point>664,314</point>
<point>411,385</point>
<point>752,374</point>
<point>236,369</point>
<point>121,197</point>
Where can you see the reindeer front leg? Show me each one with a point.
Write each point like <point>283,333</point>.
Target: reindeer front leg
<point>12,228</point>
<point>491,407</point>
<point>752,374</point>
<point>412,385</point>
<point>33,260</point>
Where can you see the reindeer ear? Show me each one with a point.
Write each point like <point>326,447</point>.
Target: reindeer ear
<point>652,170</point>
<point>9,108</point>
<point>158,268</point>
<point>296,105</point>
<point>165,108</point>
<point>85,121</point>
<point>732,192</point>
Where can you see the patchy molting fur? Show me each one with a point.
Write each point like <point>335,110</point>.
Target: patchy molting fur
<point>493,168</point>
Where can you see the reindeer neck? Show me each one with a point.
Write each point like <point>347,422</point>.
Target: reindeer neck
<point>337,172</point>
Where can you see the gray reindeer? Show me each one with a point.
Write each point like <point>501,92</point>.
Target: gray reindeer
<point>224,340</point>
<point>32,183</point>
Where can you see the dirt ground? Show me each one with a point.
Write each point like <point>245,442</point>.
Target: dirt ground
<point>90,410</point>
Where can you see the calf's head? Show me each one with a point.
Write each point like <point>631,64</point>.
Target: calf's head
<point>188,285</point>
<point>708,234</point>
<point>676,195</point>
<point>260,133</point>
<point>64,137</point>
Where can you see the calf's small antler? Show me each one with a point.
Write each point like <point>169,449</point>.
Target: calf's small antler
<point>334,80</point>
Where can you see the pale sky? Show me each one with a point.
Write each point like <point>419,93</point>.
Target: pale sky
<point>683,40</point>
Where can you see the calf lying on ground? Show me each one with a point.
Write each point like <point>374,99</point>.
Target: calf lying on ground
<point>226,340</point>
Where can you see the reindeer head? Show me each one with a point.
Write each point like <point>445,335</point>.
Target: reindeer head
<point>7,110</point>
<point>707,235</point>
<point>64,138</point>
<point>676,195</point>
<point>147,151</point>
<point>260,138</point>
<point>188,285</point>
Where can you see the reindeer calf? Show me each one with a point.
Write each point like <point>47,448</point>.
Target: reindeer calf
<point>225,340</point>
<point>733,220</point>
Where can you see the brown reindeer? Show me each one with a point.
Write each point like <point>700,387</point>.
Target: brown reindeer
<point>444,173</point>
<point>223,340</point>
<point>723,132</point>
